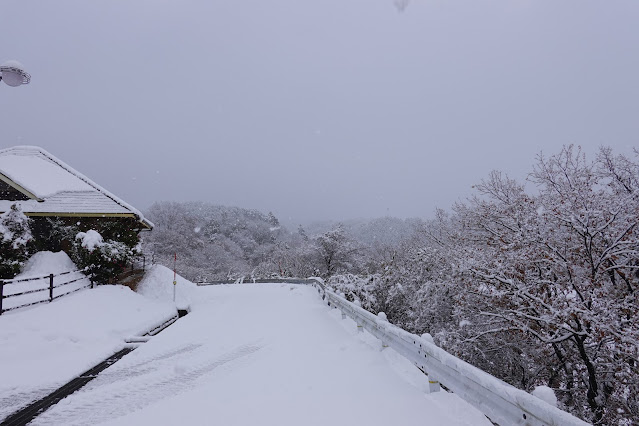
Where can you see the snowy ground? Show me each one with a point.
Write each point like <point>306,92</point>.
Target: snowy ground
<point>44,346</point>
<point>260,354</point>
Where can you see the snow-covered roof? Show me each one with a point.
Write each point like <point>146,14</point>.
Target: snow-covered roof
<point>56,188</point>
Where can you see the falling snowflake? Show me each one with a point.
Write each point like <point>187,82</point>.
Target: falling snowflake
<point>401,5</point>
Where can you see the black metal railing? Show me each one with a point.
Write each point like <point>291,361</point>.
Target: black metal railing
<point>13,286</point>
<point>138,262</point>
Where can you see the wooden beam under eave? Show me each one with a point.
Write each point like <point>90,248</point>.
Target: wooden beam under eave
<point>18,188</point>
<point>57,214</point>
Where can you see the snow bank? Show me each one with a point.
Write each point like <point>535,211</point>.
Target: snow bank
<point>158,284</point>
<point>45,263</point>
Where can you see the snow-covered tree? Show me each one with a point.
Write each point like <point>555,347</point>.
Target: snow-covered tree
<point>559,267</point>
<point>15,241</point>
<point>537,287</point>
<point>336,252</point>
<point>211,242</point>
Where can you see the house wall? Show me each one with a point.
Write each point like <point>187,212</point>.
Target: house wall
<point>57,233</point>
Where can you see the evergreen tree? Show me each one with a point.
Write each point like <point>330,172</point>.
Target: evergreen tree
<point>15,241</point>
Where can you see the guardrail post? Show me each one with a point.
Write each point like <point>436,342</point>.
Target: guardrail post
<point>91,279</point>
<point>382,317</point>
<point>343,315</point>
<point>433,385</point>
<point>360,327</point>
<point>50,287</point>
<point>1,294</point>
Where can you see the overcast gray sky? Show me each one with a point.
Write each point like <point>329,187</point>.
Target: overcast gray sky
<point>317,109</point>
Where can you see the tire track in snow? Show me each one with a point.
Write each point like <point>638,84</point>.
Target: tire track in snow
<point>124,372</point>
<point>16,401</point>
<point>116,394</point>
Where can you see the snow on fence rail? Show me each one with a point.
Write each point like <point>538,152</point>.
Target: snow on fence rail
<point>25,292</point>
<point>500,402</point>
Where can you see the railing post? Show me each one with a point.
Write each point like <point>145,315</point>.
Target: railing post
<point>1,294</point>
<point>433,385</point>
<point>50,287</point>
<point>382,317</point>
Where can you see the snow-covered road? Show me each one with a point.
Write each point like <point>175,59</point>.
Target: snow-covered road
<point>264,354</point>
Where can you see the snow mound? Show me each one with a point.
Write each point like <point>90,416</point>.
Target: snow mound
<point>45,263</point>
<point>158,284</point>
<point>545,394</point>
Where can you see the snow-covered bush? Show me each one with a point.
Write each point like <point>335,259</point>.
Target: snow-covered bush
<point>53,233</point>
<point>104,260</point>
<point>15,241</point>
<point>356,288</point>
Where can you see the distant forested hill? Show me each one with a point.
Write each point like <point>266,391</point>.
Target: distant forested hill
<point>210,241</point>
<point>219,242</point>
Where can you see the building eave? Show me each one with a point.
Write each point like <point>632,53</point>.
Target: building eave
<point>145,223</point>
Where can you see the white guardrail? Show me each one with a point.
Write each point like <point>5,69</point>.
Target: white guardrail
<point>500,402</point>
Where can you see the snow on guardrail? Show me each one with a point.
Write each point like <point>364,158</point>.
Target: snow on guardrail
<point>500,402</point>
<point>244,280</point>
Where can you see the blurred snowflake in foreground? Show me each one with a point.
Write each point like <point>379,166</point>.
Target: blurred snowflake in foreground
<point>401,5</point>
